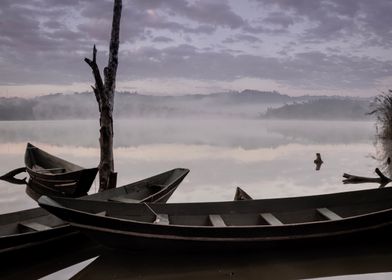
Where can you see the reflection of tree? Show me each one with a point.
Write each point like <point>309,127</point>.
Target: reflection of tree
<point>318,161</point>
<point>382,109</point>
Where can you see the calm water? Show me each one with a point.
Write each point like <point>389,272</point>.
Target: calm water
<point>266,158</point>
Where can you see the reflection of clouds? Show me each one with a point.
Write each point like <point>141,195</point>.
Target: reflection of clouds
<point>173,152</point>
<point>249,134</point>
<point>245,153</point>
<point>74,151</point>
<point>183,152</point>
<point>13,198</point>
<point>180,152</point>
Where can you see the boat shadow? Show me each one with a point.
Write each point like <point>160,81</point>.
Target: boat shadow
<point>35,263</point>
<point>372,257</point>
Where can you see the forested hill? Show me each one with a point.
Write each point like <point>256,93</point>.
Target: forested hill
<point>326,109</point>
<point>244,104</point>
<point>248,104</point>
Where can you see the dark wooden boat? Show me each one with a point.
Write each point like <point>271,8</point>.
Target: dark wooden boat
<point>34,227</point>
<point>320,220</point>
<point>54,176</point>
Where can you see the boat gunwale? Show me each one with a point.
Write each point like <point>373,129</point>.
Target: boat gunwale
<point>50,176</point>
<point>167,189</point>
<point>35,233</point>
<point>152,224</point>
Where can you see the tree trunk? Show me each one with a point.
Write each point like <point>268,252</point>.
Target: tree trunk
<point>104,93</point>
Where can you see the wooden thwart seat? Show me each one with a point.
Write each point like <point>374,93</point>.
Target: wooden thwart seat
<point>271,219</point>
<point>103,213</point>
<point>217,221</point>
<point>34,226</point>
<point>330,215</point>
<point>70,184</point>
<point>162,219</point>
<point>49,170</point>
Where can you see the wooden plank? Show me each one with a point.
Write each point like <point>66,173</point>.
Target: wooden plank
<point>162,219</point>
<point>271,219</point>
<point>217,221</point>
<point>71,184</point>
<point>330,215</point>
<point>123,199</point>
<point>34,226</point>
<point>48,170</point>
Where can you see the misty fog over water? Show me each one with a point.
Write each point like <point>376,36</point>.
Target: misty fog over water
<point>266,158</point>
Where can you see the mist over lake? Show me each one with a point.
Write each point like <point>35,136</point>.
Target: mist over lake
<point>266,158</point>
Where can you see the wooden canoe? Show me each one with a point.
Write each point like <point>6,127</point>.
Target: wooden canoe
<point>54,176</point>
<point>33,227</point>
<point>320,220</point>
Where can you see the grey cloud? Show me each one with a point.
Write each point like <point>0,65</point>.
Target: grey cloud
<point>44,41</point>
<point>335,19</point>
<point>162,39</point>
<point>242,38</point>
<point>280,19</point>
<point>215,12</point>
<point>310,70</point>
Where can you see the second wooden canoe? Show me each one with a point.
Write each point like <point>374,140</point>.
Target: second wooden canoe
<point>34,227</point>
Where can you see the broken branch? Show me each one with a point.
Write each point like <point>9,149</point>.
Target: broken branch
<point>353,179</point>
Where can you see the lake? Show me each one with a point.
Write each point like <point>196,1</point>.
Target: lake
<point>265,158</point>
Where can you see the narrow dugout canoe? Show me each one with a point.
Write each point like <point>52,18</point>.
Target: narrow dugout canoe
<point>355,216</point>
<point>34,227</point>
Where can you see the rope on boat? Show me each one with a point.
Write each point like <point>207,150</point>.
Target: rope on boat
<point>149,208</point>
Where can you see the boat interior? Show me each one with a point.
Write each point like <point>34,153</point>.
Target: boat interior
<point>28,221</point>
<point>272,212</point>
<point>141,190</point>
<point>40,161</point>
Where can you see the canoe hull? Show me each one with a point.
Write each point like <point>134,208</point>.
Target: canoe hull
<point>130,226</point>
<point>73,184</point>
<point>124,241</point>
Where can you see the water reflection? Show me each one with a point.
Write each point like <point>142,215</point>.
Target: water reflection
<point>384,155</point>
<point>372,257</point>
<point>248,134</point>
<point>267,159</point>
<point>36,263</point>
<point>287,170</point>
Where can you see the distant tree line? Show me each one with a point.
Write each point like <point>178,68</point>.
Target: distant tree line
<point>244,104</point>
<point>329,109</point>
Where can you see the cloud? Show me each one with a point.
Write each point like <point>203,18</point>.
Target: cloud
<point>241,38</point>
<point>332,19</point>
<point>307,69</point>
<point>214,12</point>
<point>162,39</point>
<point>302,43</point>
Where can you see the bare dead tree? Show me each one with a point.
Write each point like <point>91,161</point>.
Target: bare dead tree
<point>104,93</point>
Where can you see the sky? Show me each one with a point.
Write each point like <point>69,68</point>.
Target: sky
<point>176,47</point>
